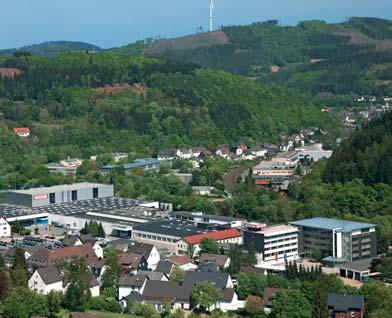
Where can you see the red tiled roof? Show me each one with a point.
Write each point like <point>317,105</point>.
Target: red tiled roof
<point>262,182</point>
<point>217,236</point>
<point>180,260</point>
<point>64,253</point>
<point>22,130</point>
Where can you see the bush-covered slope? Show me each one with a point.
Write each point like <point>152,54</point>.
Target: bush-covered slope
<point>366,155</point>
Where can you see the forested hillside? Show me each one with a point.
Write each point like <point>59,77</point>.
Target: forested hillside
<point>80,104</point>
<point>52,48</point>
<point>367,155</point>
<point>346,58</point>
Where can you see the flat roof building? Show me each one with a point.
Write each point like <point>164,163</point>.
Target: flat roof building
<point>273,244</point>
<point>146,164</point>
<point>200,217</point>
<point>337,238</point>
<point>38,197</point>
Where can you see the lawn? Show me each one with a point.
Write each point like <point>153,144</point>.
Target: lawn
<point>65,314</point>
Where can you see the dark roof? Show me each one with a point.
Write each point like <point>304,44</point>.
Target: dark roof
<point>218,280</point>
<point>134,296</point>
<point>49,275</point>
<point>152,275</point>
<point>250,270</point>
<point>131,259</point>
<point>164,267</point>
<point>341,302</point>
<point>142,248</point>
<point>216,259</point>
<point>269,293</point>
<point>70,240</point>
<point>362,265</point>
<point>166,291</point>
<point>208,268</point>
<point>174,228</point>
<point>226,294</point>
<point>136,280</point>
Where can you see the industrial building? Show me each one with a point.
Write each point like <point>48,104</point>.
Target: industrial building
<point>337,238</point>
<point>200,217</point>
<point>45,196</point>
<point>146,164</point>
<point>273,244</point>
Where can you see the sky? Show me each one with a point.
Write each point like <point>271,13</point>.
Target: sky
<point>110,23</point>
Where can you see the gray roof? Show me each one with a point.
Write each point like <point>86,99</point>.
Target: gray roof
<point>142,248</point>
<point>204,216</point>
<point>152,275</point>
<point>174,228</point>
<point>136,297</point>
<point>166,291</point>
<point>164,267</point>
<point>333,224</point>
<point>216,259</point>
<point>136,280</point>
<point>49,275</point>
<point>138,163</point>
<point>362,265</point>
<point>345,303</point>
<point>218,280</point>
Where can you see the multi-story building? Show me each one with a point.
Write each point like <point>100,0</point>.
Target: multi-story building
<point>337,238</point>
<point>273,244</point>
<point>40,197</point>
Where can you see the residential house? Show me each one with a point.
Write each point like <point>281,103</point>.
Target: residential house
<point>131,284</point>
<point>45,258</point>
<point>117,156</point>
<point>5,228</point>
<point>22,131</point>
<point>258,150</point>
<point>221,261</point>
<point>132,263</point>
<point>240,149</point>
<point>184,153</point>
<point>228,236</point>
<point>10,252</point>
<point>218,280</point>
<point>167,154</point>
<point>45,280</point>
<point>165,267</point>
<point>183,262</point>
<point>203,190</point>
<point>346,306</point>
<point>222,151</point>
<point>149,251</point>
<point>150,275</point>
<point>76,240</point>
<point>160,293</point>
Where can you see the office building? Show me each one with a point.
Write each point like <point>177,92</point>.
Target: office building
<point>273,244</point>
<point>337,238</point>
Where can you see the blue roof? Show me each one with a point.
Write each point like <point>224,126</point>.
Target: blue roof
<point>332,224</point>
<point>138,163</point>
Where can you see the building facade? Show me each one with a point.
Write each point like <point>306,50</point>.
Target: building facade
<point>337,238</point>
<point>5,228</point>
<point>273,244</point>
<point>39,197</point>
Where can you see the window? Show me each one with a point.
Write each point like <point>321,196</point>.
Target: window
<point>52,198</point>
<point>74,195</point>
<point>95,193</point>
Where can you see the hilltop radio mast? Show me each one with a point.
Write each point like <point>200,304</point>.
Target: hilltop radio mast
<point>212,9</point>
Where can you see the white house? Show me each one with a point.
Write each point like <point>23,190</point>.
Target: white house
<point>228,301</point>
<point>150,253</point>
<point>45,280</point>
<point>5,228</point>
<point>184,153</point>
<point>131,284</point>
<point>183,262</point>
<point>22,131</point>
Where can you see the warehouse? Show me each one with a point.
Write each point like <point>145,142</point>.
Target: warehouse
<point>39,197</point>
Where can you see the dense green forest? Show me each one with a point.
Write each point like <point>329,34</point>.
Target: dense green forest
<point>80,104</point>
<point>353,57</point>
<point>367,155</point>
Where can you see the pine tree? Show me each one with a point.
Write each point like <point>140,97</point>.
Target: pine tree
<point>100,231</point>
<point>319,304</point>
